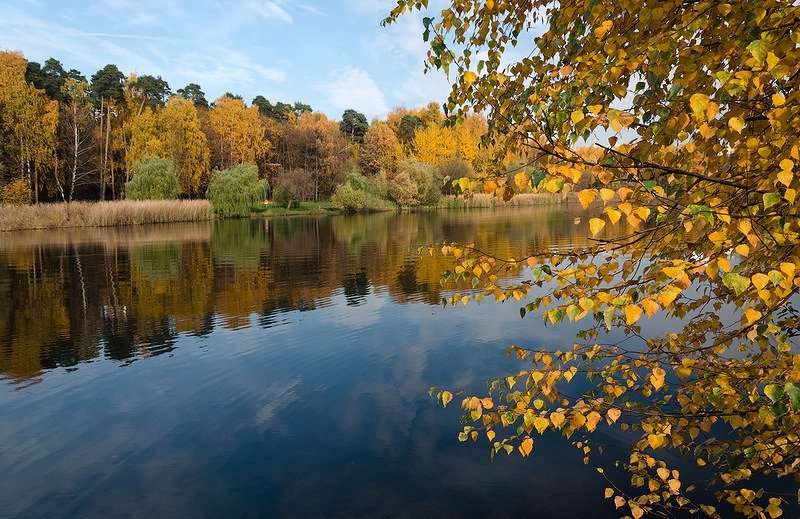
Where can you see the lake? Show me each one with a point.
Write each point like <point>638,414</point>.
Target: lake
<point>274,367</point>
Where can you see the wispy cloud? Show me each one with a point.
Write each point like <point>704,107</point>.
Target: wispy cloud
<point>272,11</point>
<point>351,87</point>
<point>224,69</point>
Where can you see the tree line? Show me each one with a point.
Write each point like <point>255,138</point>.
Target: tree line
<point>64,137</point>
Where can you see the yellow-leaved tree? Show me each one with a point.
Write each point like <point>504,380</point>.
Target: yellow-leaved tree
<point>695,106</point>
<point>381,150</point>
<point>236,135</point>
<point>186,144</point>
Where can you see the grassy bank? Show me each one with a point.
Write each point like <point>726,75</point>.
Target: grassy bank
<point>484,201</point>
<point>319,207</point>
<point>102,214</point>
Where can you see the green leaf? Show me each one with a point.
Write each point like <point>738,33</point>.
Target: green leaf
<point>770,199</point>
<point>773,392</point>
<point>793,391</point>
<point>608,316</point>
<point>758,48</point>
<point>738,283</point>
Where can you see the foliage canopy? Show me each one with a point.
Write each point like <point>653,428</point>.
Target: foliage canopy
<point>154,178</point>
<point>695,105</point>
<point>233,191</point>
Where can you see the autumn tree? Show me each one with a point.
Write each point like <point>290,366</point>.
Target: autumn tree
<point>77,142</point>
<point>185,143</point>
<point>435,144</point>
<point>31,120</point>
<point>381,150</point>
<point>700,99</point>
<point>315,144</point>
<point>235,133</point>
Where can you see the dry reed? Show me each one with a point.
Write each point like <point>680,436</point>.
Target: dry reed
<point>102,214</point>
<point>482,201</point>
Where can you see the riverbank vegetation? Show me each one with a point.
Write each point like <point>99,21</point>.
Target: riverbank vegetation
<point>102,214</point>
<point>114,137</point>
<point>695,108</point>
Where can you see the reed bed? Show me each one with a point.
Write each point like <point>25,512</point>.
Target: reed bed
<point>483,201</point>
<point>102,214</point>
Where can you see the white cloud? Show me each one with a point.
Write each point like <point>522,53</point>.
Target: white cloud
<point>271,10</point>
<point>220,70</point>
<point>351,87</point>
<point>419,89</point>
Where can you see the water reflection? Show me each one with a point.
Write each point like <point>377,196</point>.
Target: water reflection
<point>69,297</point>
<point>266,368</point>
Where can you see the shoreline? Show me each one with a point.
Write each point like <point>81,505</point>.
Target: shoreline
<point>127,213</point>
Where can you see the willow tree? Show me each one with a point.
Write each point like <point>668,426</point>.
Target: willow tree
<point>695,104</point>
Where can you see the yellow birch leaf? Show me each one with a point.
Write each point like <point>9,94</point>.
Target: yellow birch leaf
<point>663,473</point>
<point>759,280</point>
<point>490,434</point>
<point>737,123</point>
<point>447,396</point>
<point>592,419</point>
<point>657,378</point>
<point>606,194</point>
<point>526,447</point>
<point>558,419</point>
<point>632,314</point>
<point>654,440</point>
<point>613,415</point>
<point>650,307</point>
<point>586,197</point>
<point>699,104</point>
<point>541,423</point>
<point>596,225</point>
<point>751,315</point>
<point>613,215</point>
<point>469,77</point>
<point>603,28</point>
<point>785,177</point>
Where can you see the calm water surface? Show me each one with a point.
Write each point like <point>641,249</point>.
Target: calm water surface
<point>266,368</point>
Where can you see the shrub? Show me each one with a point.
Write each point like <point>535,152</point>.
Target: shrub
<point>351,200</point>
<point>154,178</point>
<point>232,191</point>
<point>292,187</point>
<point>376,185</point>
<point>404,190</point>
<point>416,183</point>
<point>16,192</point>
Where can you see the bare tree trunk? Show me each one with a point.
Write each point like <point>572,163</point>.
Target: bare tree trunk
<point>103,157</point>
<point>76,143</point>
<point>108,138</point>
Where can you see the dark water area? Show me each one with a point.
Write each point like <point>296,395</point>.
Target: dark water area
<point>267,368</point>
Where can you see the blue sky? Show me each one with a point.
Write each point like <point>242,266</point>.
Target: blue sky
<point>331,54</point>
